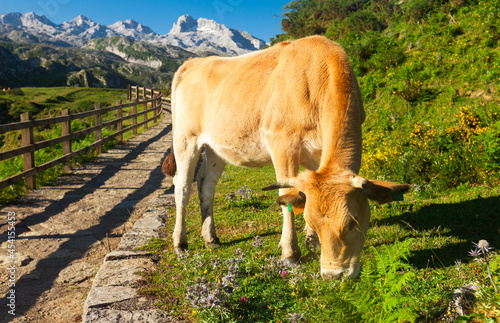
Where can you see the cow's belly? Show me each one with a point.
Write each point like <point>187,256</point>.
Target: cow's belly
<point>251,152</point>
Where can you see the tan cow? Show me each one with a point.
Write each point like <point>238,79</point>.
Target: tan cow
<point>296,103</point>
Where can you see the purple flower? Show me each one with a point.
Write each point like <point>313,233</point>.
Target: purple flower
<point>243,299</point>
<point>296,317</point>
<point>257,242</point>
<point>283,273</point>
<point>475,253</point>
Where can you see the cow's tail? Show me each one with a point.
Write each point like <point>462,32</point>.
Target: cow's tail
<point>169,166</point>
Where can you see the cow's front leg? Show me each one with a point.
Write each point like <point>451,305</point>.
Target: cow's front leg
<point>208,176</point>
<point>290,251</point>
<point>286,160</point>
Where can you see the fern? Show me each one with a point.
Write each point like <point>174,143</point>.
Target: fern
<point>380,295</point>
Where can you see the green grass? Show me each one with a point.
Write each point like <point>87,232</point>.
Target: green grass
<point>46,103</point>
<point>432,234</point>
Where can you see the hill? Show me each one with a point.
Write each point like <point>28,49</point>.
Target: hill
<point>429,74</point>
<point>107,63</point>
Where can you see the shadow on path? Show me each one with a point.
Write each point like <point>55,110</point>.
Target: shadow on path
<point>28,290</point>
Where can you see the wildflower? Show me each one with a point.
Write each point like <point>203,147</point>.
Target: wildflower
<point>483,250</point>
<point>257,242</point>
<point>230,196</point>
<point>484,245</point>
<point>245,192</point>
<point>283,273</point>
<point>475,253</point>
<point>243,299</point>
<point>296,317</point>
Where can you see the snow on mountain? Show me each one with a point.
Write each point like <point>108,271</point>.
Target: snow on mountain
<point>199,36</point>
<point>204,35</point>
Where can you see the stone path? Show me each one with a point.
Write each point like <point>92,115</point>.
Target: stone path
<point>64,230</point>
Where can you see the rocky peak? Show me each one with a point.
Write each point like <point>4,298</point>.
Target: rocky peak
<point>184,24</point>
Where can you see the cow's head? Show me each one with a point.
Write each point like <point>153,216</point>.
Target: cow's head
<point>336,208</point>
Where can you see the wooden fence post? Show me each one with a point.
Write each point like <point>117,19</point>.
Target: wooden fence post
<point>66,130</point>
<point>119,125</point>
<point>137,92</point>
<point>29,158</point>
<point>129,92</point>
<point>134,113</point>
<point>145,109</point>
<point>144,93</point>
<point>98,132</point>
<point>154,104</point>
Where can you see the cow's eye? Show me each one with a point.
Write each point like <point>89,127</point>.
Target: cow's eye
<point>352,224</point>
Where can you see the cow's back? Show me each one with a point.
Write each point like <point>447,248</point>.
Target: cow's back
<point>304,89</point>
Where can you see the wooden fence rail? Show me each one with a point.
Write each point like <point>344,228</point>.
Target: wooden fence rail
<point>29,146</point>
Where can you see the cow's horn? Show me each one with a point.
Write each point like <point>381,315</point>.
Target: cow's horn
<point>358,181</point>
<point>286,183</point>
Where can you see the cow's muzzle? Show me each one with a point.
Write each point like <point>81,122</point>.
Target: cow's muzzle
<point>337,273</point>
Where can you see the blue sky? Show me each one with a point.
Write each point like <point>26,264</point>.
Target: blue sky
<point>261,18</point>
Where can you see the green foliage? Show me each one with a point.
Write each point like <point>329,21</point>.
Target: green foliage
<point>388,275</point>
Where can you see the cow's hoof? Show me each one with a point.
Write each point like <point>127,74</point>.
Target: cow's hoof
<point>289,261</point>
<point>312,243</point>
<point>214,244</point>
<point>181,249</point>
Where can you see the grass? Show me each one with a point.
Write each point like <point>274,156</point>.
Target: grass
<point>46,103</point>
<point>409,263</point>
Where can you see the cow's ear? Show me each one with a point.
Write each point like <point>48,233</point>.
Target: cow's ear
<point>385,192</point>
<point>295,199</point>
<point>381,191</point>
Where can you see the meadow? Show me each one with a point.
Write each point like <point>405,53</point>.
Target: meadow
<point>429,76</point>
<point>416,254</point>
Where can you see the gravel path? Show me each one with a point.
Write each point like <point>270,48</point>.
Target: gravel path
<point>64,230</point>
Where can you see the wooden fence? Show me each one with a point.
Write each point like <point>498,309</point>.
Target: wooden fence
<point>143,97</point>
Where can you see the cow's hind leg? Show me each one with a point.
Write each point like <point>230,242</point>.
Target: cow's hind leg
<point>187,154</point>
<point>208,176</point>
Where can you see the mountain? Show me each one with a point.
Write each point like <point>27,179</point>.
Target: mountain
<point>198,36</point>
<point>36,52</point>
<point>110,62</point>
<point>204,35</point>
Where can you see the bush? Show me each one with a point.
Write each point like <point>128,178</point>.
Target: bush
<point>468,153</point>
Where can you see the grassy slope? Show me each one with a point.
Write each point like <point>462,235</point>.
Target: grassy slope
<point>443,229</point>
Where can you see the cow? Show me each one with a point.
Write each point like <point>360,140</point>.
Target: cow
<point>295,103</point>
